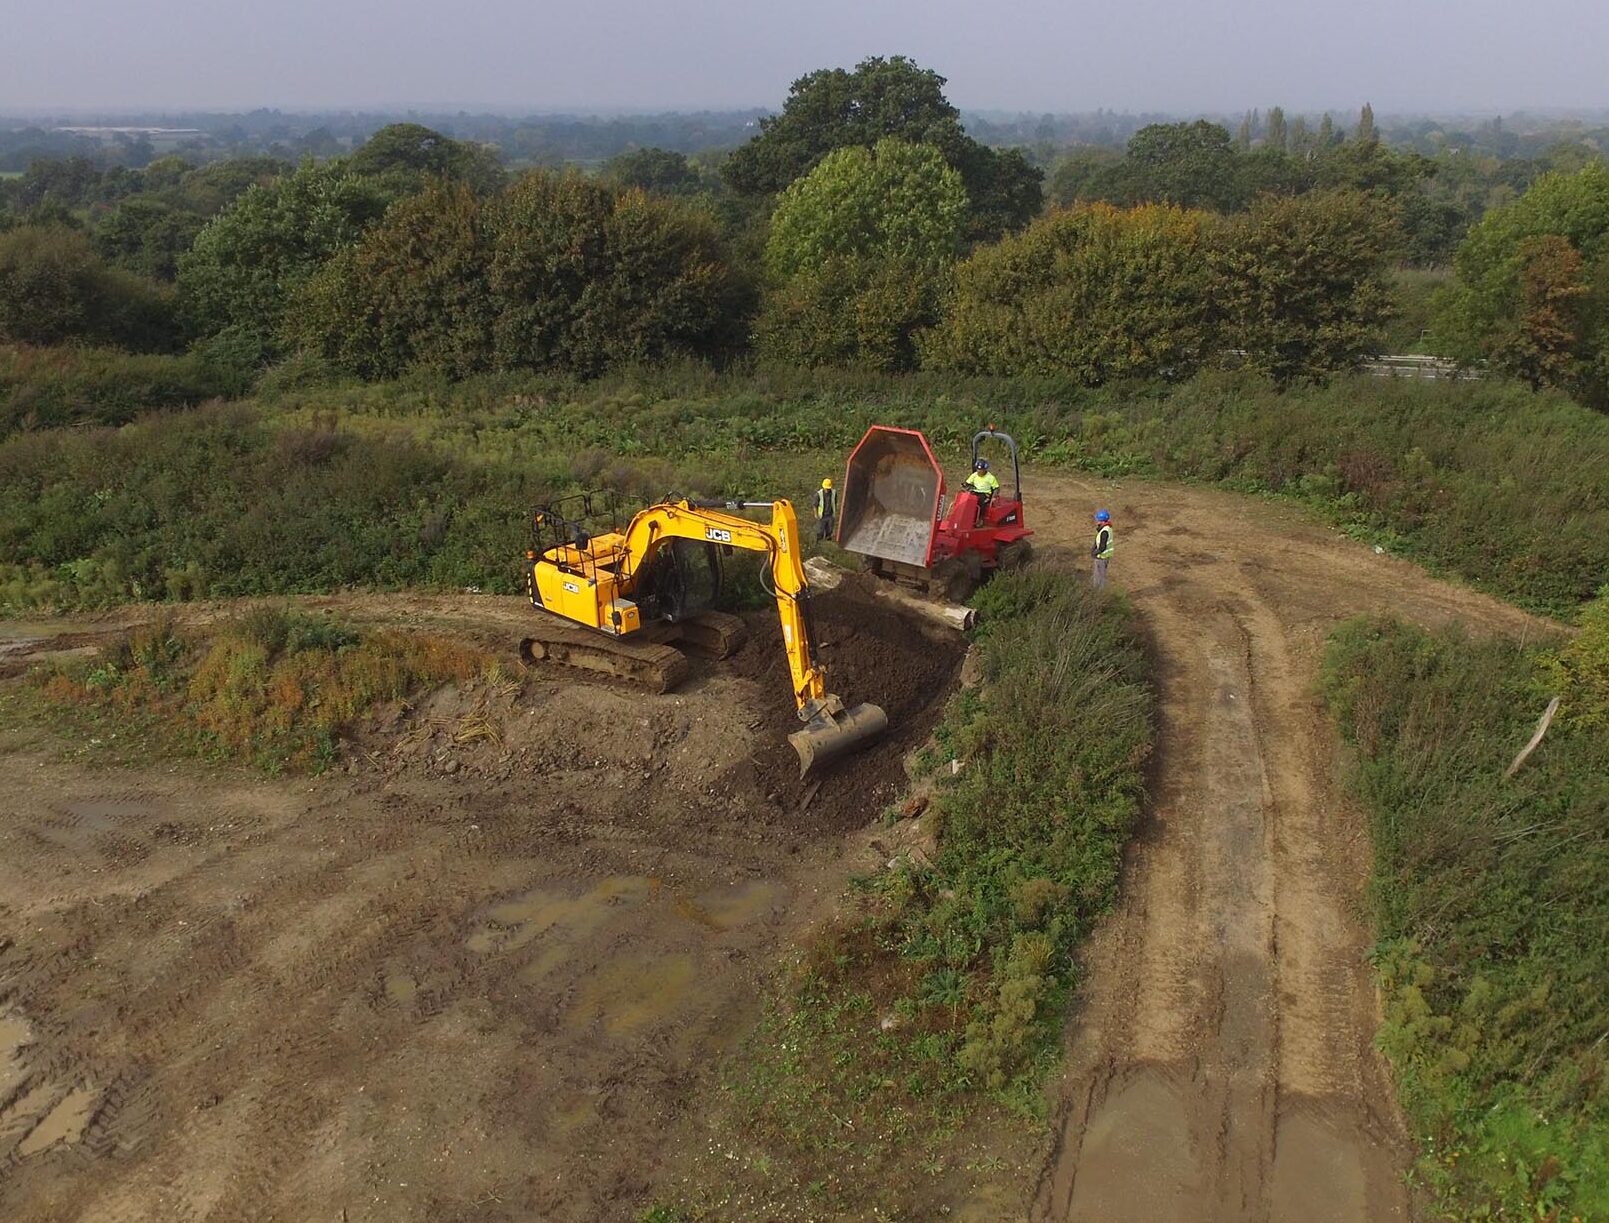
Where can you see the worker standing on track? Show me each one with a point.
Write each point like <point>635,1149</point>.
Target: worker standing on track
<point>1101,549</point>
<point>826,510</point>
<point>984,483</point>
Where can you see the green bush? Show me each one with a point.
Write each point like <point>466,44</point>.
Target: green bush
<point>54,287</point>
<point>1095,293</point>
<point>1579,671</point>
<point>42,388</point>
<point>1491,912</point>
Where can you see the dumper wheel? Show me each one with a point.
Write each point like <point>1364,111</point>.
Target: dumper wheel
<point>1014,555</point>
<point>957,578</point>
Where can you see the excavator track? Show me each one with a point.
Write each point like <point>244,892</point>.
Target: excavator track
<point>652,665</point>
<point>713,634</point>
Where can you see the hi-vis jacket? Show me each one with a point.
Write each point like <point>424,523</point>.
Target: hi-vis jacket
<point>1102,548</point>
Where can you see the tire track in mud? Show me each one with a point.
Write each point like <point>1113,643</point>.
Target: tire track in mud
<point>1220,1058</point>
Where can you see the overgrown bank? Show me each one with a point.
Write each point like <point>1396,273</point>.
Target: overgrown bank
<point>1489,900</point>
<point>424,482</point>
<point>936,999</point>
<point>272,688</point>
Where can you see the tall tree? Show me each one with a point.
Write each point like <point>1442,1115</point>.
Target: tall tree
<point>1366,132</point>
<point>894,201</point>
<point>1540,343</point>
<point>402,157</point>
<point>252,257</point>
<point>1507,273</point>
<point>1275,137</point>
<point>1190,164</point>
<point>1298,142</point>
<point>859,252</point>
<point>834,108</point>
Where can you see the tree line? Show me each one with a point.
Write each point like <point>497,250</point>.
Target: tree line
<point>862,225</point>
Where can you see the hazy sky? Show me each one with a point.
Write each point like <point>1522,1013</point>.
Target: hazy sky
<point>1062,55</point>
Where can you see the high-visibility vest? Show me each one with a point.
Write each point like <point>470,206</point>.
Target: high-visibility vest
<point>983,482</point>
<point>1103,542</point>
<point>824,502</point>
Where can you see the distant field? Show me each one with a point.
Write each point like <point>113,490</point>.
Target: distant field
<point>11,173</point>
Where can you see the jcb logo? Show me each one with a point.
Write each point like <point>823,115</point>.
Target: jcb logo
<point>572,588</point>
<point>718,534</point>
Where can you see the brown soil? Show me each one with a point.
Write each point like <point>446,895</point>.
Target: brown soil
<point>475,976</point>
<point>872,654</point>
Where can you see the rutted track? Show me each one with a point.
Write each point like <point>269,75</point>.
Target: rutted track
<point>1221,1064</point>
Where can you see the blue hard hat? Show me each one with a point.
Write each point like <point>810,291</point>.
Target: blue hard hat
<point>981,465</point>
<point>1103,516</point>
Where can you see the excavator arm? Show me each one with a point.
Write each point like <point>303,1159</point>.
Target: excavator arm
<point>706,522</point>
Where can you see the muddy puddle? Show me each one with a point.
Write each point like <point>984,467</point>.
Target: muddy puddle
<point>14,1036</point>
<point>559,917</point>
<point>65,1123</point>
<point>105,815</point>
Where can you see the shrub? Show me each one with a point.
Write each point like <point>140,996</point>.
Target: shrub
<point>54,287</point>
<point>47,387</point>
<point>1095,292</point>
<point>274,688</point>
<point>1579,672</point>
<point>1301,282</point>
<point>1491,915</point>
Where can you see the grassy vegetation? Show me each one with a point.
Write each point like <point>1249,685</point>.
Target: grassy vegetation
<point>272,688</point>
<point>938,995</point>
<point>317,485</point>
<point>46,387</point>
<point>1492,915</point>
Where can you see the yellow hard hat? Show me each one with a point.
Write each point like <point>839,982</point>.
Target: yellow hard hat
<point>827,483</point>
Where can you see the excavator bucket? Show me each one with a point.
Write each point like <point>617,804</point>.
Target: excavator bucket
<point>890,503</point>
<point>828,735</point>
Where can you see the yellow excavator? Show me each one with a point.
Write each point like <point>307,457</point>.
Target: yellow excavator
<point>634,591</point>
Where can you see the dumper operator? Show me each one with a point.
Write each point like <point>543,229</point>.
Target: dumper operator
<point>984,483</point>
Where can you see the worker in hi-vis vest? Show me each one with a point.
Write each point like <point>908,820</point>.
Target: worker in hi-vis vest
<point>1101,549</point>
<point>826,510</point>
<point>983,484</point>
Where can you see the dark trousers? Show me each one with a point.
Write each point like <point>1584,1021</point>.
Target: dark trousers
<point>824,526</point>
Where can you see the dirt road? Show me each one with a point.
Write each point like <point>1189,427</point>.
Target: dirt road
<point>476,978</point>
<point>1221,1064</point>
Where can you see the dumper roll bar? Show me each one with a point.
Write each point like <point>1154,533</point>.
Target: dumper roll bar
<point>1010,443</point>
